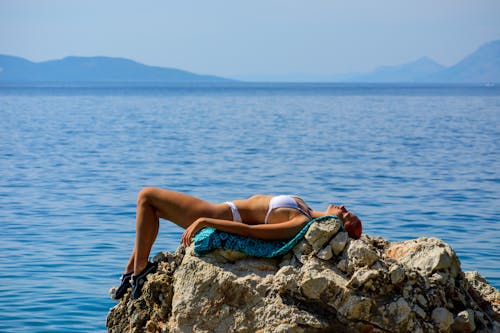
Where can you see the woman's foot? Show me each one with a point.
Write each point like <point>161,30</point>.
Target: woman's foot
<point>124,285</point>
<point>138,280</point>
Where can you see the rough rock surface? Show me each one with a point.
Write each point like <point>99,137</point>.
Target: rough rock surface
<point>327,283</point>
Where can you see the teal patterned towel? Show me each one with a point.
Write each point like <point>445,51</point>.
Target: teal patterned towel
<point>209,239</point>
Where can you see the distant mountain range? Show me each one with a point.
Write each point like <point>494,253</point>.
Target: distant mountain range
<point>482,66</point>
<point>409,72</point>
<point>93,69</point>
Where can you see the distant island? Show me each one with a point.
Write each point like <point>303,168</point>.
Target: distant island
<point>94,70</point>
<point>480,67</point>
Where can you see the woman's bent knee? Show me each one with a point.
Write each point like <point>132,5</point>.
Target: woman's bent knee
<point>146,195</point>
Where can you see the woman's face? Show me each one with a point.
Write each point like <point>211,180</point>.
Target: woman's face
<point>339,211</point>
<point>343,214</point>
<point>352,223</point>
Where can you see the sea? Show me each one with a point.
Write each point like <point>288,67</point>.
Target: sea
<point>411,160</point>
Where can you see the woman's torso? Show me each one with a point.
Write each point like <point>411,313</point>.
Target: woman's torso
<point>254,210</point>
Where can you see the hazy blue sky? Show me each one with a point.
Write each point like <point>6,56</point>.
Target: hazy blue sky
<point>251,39</point>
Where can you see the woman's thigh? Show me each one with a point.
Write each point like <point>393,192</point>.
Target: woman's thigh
<point>180,208</point>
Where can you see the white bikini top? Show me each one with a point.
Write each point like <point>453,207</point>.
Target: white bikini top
<point>284,201</point>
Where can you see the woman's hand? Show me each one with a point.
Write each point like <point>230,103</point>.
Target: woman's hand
<point>191,231</point>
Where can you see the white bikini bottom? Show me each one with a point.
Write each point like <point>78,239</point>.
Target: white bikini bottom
<point>234,210</point>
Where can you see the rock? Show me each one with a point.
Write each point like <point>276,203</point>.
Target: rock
<point>464,322</point>
<point>363,277</point>
<point>338,242</point>
<point>421,300</point>
<point>359,254</point>
<point>327,283</point>
<point>428,255</point>
<point>302,251</point>
<point>483,292</point>
<point>313,286</point>
<point>399,311</point>
<point>443,319</point>
<point>321,233</point>
<point>397,274</point>
<point>342,265</point>
<point>326,253</point>
<point>419,311</point>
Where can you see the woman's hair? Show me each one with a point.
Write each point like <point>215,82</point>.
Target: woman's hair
<point>353,227</point>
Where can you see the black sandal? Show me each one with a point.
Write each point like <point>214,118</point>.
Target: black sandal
<point>124,285</point>
<point>138,280</point>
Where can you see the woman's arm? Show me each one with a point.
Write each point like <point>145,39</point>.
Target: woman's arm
<point>276,231</point>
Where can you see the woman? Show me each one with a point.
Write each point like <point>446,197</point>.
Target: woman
<point>260,216</point>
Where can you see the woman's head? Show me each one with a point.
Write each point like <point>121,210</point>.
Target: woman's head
<point>352,223</point>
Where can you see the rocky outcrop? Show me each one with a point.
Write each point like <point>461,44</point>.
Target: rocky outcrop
<point>327,283</point>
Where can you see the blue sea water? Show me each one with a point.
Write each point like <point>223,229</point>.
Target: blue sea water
<point>410,160</point>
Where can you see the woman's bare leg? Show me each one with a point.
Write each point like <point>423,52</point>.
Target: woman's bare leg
<point>146,228</point>
<point>155,203</point>
<point>130,264</point>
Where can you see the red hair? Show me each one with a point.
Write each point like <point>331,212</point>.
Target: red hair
<point>353,227</point>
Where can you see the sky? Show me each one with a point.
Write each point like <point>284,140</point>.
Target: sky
<point>255,40</point>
